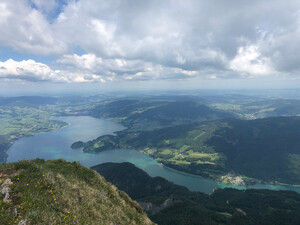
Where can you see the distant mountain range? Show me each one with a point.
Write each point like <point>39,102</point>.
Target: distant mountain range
<point>149,115</point>
<point>27,101</point>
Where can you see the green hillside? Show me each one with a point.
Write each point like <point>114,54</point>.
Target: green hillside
<point>57,192</point>
<point>170,204</point>
<point>230,150</point>
<point>151,114</point>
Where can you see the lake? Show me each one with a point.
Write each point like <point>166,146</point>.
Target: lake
<point>56,144</point>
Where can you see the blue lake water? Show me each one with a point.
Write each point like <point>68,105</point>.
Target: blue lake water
<point>56,144</point>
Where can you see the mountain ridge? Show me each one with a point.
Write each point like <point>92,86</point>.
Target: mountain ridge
<point>60,192</point>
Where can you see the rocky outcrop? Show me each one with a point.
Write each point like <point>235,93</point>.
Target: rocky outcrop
<point>22,222</point>
<point>4,190</point>
<point>8,172</point>
<point>153,209</point>
<point>241,211</point>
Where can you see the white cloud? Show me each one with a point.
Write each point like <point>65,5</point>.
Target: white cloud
<point>87,61</point>
<point>147,40</point>
<point>90,68</point>
<point>4,13</point>
<point>121,69</point>
<point>249,61</point>
<point>29,70</point>
<point>26,30</point>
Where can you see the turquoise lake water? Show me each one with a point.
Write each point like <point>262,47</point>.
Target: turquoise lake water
<point>56,144</point>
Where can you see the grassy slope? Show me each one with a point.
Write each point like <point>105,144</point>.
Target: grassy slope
<point>224,206</point>
<point>266,149</point>
<point>57,192</point>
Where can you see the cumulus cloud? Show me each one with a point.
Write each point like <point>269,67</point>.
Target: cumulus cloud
<point>90,68</point>
<point>194,35</point>
<point>121,69</point>
<point>150,39</point>
<point>26,30</point>
<point>29,70</point>
<point>249,61</point>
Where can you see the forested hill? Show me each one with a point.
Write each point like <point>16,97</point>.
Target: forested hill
<point>148,115</point>
<point>170,204</point>
<point>264,149</point>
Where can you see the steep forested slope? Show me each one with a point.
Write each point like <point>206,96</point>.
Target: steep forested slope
<point>170,204</point>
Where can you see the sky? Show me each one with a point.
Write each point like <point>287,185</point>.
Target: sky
<point>55,45</point>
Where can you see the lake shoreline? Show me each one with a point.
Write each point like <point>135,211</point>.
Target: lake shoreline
<point>56,144</point>
<point>12,140</point>
<point>274,183</point>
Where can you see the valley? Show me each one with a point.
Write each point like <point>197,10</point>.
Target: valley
<point>225,149</point>
<point>149,112</point>
<point>215,166</point>
<point>193,134</point>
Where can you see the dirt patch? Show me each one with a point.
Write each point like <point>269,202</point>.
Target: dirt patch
<point>8,172</point>
<point>241,211</point>
<point>225,214</point>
